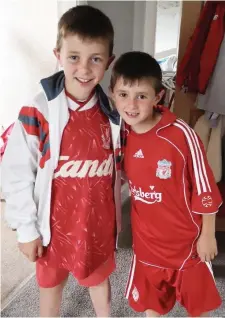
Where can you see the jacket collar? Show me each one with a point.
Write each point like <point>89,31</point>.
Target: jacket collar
<point>55,84</point>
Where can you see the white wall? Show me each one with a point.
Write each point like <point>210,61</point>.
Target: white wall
<point>156,27</point>
<point>167,27</point>
<point>121,14</point>
<point>64,5</point>
<point>28,35</point>
<point>138,26</point>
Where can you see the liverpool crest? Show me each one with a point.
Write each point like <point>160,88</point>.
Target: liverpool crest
<point>163,170</point>
<point>135,294</point>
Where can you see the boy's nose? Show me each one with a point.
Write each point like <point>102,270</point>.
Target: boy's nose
<point>132,105</point>
<point>84,66</point>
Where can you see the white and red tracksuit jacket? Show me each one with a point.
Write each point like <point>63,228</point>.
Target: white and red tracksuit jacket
<point>32,155</point>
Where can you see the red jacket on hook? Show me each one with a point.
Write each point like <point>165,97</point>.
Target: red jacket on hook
<point>202,51</point>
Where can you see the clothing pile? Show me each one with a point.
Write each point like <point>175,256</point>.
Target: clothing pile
<point>169,67</point>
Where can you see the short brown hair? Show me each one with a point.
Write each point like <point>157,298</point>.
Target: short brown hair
<point>135,66</point>
<point>87,22</point>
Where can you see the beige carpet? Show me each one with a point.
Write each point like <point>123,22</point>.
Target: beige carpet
<point>15,269</point>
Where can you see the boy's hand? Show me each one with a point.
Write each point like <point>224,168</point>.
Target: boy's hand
<point>207,247</point>
<point>32,250</point>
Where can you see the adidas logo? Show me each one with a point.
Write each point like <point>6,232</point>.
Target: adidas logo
<point>139,154</point>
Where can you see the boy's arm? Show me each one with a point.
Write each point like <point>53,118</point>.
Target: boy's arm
<point>19,167</point>
<point>205,198</point>
<point>208,224</point>
<point>206,245</point>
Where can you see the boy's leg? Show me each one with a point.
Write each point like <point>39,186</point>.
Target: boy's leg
<point>152,313</point>
<point>50,300</point>
<point>99,287</point>
<point>51,282</point>
<point>101,298</point>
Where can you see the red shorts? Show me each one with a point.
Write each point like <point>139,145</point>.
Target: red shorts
<point>48,277</point>
<point>158,289</point>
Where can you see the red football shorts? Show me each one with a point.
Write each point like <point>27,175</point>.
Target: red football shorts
<point>158,289</point>
<point>48,277</point>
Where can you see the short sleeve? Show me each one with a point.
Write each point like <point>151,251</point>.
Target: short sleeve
<point>205,196</point>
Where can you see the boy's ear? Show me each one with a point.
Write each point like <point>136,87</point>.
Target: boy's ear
<point>110,93</point>
<point>111,96</point>
<point>57,54</point>
<point>160,95</point>
<point>111,59</point>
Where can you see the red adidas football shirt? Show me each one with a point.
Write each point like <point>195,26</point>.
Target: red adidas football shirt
<point>171,186</point>
<point>82,210</point>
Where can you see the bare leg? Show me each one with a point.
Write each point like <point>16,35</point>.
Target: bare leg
<point>50,300</point>
<point>101,297</point>
<point>152,313</point>
<point>204,314</point>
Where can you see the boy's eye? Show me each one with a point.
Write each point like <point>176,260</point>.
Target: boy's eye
<point>73,57</point>
<point>142,97</point>
<point>96,59</point>
<point>122,95</point>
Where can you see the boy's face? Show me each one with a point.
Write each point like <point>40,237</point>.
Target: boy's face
<point>84,62</point>
<point>135,102</point>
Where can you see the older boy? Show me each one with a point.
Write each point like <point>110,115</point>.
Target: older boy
<point>59,180</point>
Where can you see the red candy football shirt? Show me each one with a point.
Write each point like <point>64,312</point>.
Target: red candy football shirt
<point>82,208</point>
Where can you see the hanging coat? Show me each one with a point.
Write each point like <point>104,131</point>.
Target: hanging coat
<point>197,65</point>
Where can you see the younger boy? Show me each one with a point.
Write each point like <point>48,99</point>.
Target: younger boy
<point>58,169</point>
<point>173,194</point>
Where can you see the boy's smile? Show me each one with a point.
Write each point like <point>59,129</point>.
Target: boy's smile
<point>84,62</point>
<point>132,115</point>
<point>82,80</point>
